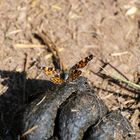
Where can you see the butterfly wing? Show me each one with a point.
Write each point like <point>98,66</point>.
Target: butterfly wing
<point>82,63</point>
<point>74,74</point>
<point>57,80</point>
<point>49,70</point>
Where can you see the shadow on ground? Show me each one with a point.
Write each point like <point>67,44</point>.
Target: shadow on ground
<point>19,92</point>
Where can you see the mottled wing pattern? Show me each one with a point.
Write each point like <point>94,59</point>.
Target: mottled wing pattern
<point>57,80</point>
<point>82,63</point>
<point>50,70</point>
<point>74,74</point>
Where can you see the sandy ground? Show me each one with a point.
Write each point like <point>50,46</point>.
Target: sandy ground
<point>108,29</point>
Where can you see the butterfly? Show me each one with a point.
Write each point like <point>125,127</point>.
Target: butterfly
<point>73,73</point>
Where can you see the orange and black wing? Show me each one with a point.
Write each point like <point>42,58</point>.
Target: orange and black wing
<point>82,63</point>
<point>57,80</point>
<point>49,70</point>
<point>74,75</point>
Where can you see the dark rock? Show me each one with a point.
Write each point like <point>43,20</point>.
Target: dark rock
<point>79,112</point>
<point>4,132</point>
<point>39,118</point>
<point>53,138</point>
<point>112,127</point>
<point>71,112</point>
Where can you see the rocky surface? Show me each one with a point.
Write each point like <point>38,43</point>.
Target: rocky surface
<point>68,113</point>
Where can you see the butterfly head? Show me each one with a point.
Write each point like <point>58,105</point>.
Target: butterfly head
<point>64,75</point>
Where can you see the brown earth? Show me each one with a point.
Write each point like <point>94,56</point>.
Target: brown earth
<point>108,29</point>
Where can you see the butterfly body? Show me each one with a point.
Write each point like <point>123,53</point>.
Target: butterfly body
<point>70,75</point>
